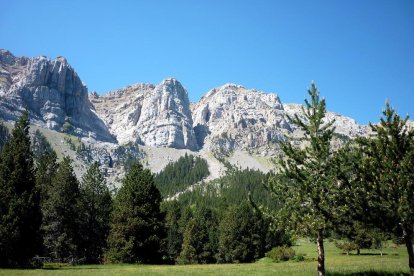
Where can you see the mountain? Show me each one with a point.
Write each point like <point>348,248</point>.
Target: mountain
<point>343,125</point>
<point>51,91</point>
<point>157,116</point>
<point>154,123</point>
<point>233,117</point>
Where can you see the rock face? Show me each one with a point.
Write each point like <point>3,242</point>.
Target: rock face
<point>232,116</point>
<point>343,125</point>
<point>52,92</point>
<point>156,116</point>
<point>227,118</point>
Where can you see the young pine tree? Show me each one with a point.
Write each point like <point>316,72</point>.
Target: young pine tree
<point>385,183</point>
<point>61,215</point>
<point>96,206</point>
<point>137,224</point>
<point>20,215</point>
<point>309,195</point>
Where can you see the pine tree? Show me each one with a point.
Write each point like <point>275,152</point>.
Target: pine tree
<point>20,215</point>
<point>241,235</point>
<point>4,135</point>
<point>40,145</point>
<point>174,238</point>
<point>310,192</point>
<point>200,241</point>
<point>45,172</point>
<point>137,224</point>
<point>95,209</point>
<point>191,244</point>
<point>61,215</point>
<point>384,187</point>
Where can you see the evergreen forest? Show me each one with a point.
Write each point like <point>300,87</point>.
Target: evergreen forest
<point>360,194</point>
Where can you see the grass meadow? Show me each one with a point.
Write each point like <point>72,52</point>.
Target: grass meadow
<point>370,262</point>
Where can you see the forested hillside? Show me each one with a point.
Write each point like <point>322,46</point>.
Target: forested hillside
<point>177,217</point>
<point>179,175</point>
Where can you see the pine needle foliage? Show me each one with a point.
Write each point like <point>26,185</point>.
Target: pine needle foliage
<point>306,186</point>
<point>20,215</point>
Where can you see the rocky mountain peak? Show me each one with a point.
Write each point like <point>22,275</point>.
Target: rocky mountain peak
<point>52,92</point>
<point>6,57</point>
<point>232,116</point>
<point>157,116</point>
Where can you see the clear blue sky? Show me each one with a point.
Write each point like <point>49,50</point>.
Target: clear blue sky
<point>359,53</point>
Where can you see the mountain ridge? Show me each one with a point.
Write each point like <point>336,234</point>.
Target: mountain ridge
<point>226,118</point>
<point>231,122</point>
<point>153,123</point>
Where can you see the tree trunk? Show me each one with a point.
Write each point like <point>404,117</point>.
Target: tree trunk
<point>408,238</point>
<point>321,254</point>
<point>358,251</point>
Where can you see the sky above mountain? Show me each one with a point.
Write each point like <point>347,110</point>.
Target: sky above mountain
<point>359,53</point>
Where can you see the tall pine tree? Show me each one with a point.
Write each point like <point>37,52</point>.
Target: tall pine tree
<point>242,234</point>
<point>4,135</point>
<point>61,216</point>
<point>96,206</point>
<point>137,224</point>
<point>306,187</point>
<point>20,215</point>
<point>200,239</point>
<point>46,167</point>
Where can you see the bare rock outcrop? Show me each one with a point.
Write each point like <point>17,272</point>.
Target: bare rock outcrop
<point>234,117</point>
<point>151,115</point>
<point>51,91</point>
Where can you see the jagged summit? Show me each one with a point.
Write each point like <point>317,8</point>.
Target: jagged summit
<point>157,116</point>
<point>229,117</point>
<point>232,116</point>
<point>52,92</point>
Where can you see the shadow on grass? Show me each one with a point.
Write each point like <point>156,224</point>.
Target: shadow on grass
<point>67,267</point>
<point>368,273</point>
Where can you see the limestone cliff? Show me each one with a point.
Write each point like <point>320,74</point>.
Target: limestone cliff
<point>151,115</point>
<point>51,91</point>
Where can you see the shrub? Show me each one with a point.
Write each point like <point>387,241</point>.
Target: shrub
<point>346,246</point>
<point>281,253</point>
<point>298,258</point>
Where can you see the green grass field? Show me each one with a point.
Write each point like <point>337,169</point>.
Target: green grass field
<point>394,262</point>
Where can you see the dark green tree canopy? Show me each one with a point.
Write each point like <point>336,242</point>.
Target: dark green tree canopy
<point>4,135</point>
<point>61,215</point>
<point>241,237</point>
<point>20,215</point>
<point>137,227</point>
<point>179,175</point>
<point>96,207</point>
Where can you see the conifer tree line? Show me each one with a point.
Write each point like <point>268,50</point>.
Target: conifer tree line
<point>361,193</point>
<point>177,176</point>
<point>47,212</point>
